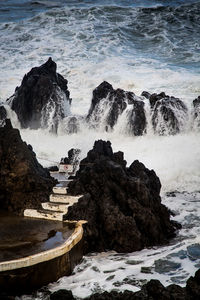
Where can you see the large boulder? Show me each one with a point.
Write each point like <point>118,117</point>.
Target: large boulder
<point>169,114</point>
<point>108,104</point>
<point>196,114</point>
<point>3,115</point>
<point>24,183</point>
<point>122,205</point>
<point>43,99</point>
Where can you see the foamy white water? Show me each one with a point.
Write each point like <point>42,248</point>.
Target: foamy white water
<point>175,159</point>
<point>173,263</point>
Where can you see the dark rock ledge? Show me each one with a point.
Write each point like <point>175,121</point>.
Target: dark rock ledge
<point>121,204</point>
<point>41,99</point>
<point>104,97</point>
<point>24,183</point>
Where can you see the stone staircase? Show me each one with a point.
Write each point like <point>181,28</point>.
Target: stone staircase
<point>57,207</point>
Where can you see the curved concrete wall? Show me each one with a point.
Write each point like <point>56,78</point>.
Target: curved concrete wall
<point>32,272</point>
<point>46,255</point>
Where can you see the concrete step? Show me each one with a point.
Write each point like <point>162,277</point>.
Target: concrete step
<point>44,214</point>
<point>67,199</point>
<point>60,190</point>
<point>55,206</point>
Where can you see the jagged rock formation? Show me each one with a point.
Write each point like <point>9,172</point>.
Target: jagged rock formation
<point>153,290</point>
<point>3,115</point>
<point>196,105</point>
<point>42,100</point>
<point>108,104</point>
<point>169,114</point>
<point>146,94</point>
<point>122,205</point>
<point>24,183</point>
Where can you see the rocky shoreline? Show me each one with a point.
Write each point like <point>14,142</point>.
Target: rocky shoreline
<point>43,101</point>
<point>24,183</point>
<point>153,290</point>
<point>121,204</point>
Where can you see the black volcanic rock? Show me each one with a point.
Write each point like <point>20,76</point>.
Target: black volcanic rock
<point>156,97</point>
<point>53,169</point>
<point>196,102</point>
<point>62,295</point>
<point>42,98</point>
<point>108,104</point>
<point>3,115</point>
<point>145,94</point>
<point>196,105</point>
<point>169,114</point>
<point>193,287</point>
<point>72,158</point>
<point>24,183</point>
<point>122,205</point>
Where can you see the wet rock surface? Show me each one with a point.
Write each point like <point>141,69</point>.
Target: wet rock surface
<point>122,205</point>
<point>24,183</point>
<point>169,114</point>
<point>72,158</point>
<point>196,105</point>
<point>3,115</point>
<point>153,290</point>
<point>108,104</point>
<point>62,295</point>
<point>42,99</point>
<point>53,169</point>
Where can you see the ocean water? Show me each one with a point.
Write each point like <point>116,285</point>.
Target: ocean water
<point>134,45</point>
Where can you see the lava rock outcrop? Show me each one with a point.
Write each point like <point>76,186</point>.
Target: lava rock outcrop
<point>196,115</point>
<point>108,104</point>
<point>169,114</point>
<point>122,205</point>
<point>24,183</point>
<point>43,98</point>
<point>3,115</point>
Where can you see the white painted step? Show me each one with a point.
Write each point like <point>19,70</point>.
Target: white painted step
<point>60,190</point>
<point>44,214</point>
<point>70,200</point>
<point>56,206</point>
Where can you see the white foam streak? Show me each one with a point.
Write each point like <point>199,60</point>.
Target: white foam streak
<point>12,116</point>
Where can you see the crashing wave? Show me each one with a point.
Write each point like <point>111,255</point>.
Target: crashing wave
<point>43,99</point>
